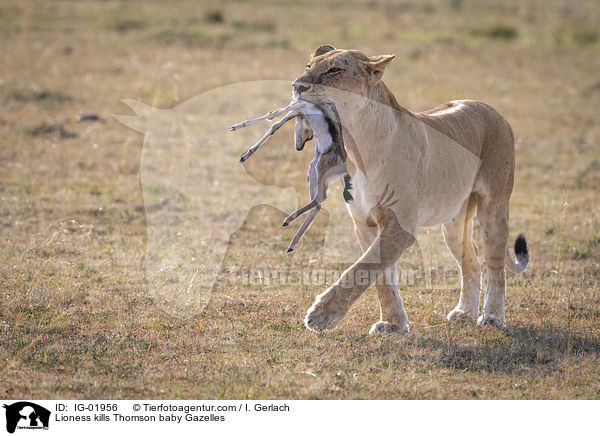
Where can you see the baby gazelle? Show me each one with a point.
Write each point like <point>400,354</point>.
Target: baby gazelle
<point>329,162</point>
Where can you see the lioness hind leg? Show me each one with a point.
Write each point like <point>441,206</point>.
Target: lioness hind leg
<point>392,316</point>
<point>458,235</point>
<point>493,217</point>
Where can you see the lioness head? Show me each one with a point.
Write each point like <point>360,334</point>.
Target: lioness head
<point>331,69</point>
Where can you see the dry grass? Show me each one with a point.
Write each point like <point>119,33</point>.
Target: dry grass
<point>77,317</point>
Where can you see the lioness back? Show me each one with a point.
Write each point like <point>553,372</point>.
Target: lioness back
<point>473,124</point>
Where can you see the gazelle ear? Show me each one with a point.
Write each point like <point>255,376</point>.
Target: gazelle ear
<point>376,66</point>
<point>141,109</point>
<point>322,49</point>
<point>139,121</point>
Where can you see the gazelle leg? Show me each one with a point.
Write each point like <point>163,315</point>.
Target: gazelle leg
<point>309,219</point>
<point>266,136</point>
<point>313,178</point>
<point>294,215</point>
<point>293,106</point>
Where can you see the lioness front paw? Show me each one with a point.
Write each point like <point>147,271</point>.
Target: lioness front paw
<point>491,320</point>
<point>458,314</point>
<point>387,328</point>
<point>323,315</point>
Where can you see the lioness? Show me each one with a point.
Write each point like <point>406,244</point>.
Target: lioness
<point>410,169</point>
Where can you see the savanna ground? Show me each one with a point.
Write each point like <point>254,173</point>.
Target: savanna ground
<point>77,316</point>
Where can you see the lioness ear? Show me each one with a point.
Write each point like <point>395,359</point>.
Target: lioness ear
<point>376,66</point>
<point>322,49</point>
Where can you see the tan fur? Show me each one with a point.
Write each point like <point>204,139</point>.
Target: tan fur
<point>410,169</point>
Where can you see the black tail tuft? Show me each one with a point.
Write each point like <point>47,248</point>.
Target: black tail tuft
<point>521,249</point>
<point>347,187</point>
<point>348,196</point>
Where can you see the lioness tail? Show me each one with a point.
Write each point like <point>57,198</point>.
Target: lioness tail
<point>521,254</point>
